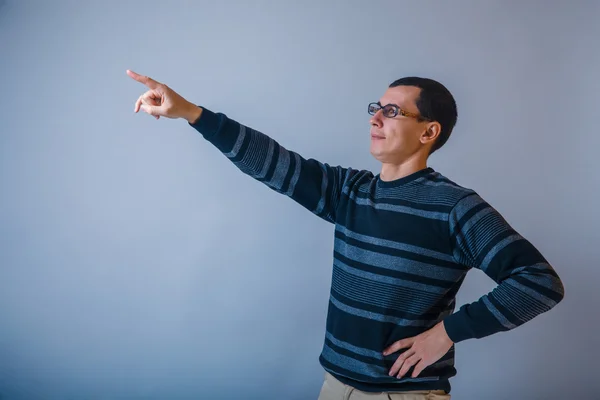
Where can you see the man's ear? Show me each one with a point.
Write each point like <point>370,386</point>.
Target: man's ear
<point>431,133</point>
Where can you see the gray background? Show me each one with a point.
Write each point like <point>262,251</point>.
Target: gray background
<point>136,262</point>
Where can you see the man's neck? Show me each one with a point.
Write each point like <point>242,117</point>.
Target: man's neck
<point>391,172</point>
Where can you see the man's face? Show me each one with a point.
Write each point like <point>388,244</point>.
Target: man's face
<point>395,140</point>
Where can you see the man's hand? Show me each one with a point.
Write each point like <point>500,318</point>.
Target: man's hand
<point>162,101</point>
<point>422,351</point>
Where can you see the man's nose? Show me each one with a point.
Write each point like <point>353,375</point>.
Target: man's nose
<point>376,119</point>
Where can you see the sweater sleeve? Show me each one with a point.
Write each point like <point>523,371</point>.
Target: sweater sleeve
<point>314,185</point>
<point>527,284</point>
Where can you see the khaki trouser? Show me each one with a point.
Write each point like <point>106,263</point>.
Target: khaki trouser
<point>335,390</point>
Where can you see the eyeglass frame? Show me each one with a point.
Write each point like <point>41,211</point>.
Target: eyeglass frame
<point>397,111</point>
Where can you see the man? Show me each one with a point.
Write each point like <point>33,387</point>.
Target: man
<point>404,242</point>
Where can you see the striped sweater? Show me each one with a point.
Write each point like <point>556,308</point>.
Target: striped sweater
<point>401,252</point>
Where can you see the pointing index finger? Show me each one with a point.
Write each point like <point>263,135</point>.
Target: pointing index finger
<point>151,83</point>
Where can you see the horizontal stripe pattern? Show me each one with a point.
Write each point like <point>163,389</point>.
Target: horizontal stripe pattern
<point>368,202</point>
<point>385,295</point>
<point>375,316</point>
<point>396,263</point>
<point>394,245</point>
<point>401,252</point>
<point>405,283</point>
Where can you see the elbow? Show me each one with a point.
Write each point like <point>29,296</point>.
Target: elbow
<point>557,289</point>
<point>560,290</point>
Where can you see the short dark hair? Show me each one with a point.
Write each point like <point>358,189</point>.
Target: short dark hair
<point>435,103</point>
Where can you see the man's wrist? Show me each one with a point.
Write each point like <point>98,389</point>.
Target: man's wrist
<point>193,115</point>
<point>443,328</point>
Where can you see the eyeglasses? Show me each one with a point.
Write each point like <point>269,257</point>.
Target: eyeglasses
<point>392,110</point>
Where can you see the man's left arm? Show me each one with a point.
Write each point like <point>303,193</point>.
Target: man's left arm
<point>527,285</point>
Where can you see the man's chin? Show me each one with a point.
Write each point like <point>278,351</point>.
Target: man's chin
<point>376,154</point>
